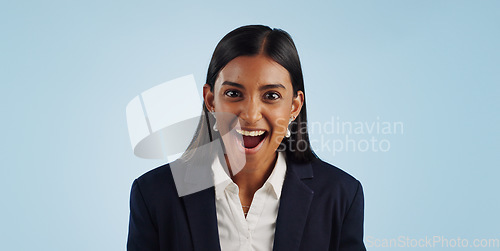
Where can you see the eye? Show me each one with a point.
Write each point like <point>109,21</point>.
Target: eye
<point>272,95</point>
<point>232,93</point>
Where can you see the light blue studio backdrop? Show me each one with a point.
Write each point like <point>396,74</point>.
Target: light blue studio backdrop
<point>425,73</point>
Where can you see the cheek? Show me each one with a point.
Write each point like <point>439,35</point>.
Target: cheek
<point>279,124</point>
<point>279,131</point>
<point>226,121</point>
<point>225,107</point>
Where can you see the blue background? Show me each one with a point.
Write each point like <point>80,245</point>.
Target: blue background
<point>68,70</point>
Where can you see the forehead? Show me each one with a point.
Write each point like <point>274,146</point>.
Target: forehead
<point>254,71</point>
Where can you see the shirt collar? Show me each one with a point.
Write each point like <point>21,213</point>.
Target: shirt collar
<point>222,180</point>
<point>278,175</point>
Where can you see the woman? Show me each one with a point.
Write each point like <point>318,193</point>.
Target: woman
<point>257,184</point>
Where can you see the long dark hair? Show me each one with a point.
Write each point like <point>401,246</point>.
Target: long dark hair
<point>253,40</point>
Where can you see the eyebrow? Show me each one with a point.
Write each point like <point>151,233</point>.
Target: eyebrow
<point>265,87</point>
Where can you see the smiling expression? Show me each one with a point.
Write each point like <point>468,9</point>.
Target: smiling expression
<point>258,93</point>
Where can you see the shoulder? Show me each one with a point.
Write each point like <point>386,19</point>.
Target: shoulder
<point>176,179</point>
<point>155,183</point>
<point>328,177</point>
<point>322,169</point>
<point>155,176</point>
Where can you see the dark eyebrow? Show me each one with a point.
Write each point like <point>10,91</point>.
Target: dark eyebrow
<point>272,86</point>
<point>265,87</point>
<point>233,84</point>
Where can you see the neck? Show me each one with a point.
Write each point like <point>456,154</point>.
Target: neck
<point>253,175</point>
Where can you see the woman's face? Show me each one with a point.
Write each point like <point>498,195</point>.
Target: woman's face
<point>253,100</point>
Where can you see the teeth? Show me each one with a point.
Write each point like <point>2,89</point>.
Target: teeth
<point>250,133</point>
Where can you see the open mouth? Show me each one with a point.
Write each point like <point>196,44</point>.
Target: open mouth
<point>252,139</point>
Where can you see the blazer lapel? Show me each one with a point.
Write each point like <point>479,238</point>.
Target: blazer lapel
<point>194,179</point>
<point>296,197</point>
<point>202,218</point>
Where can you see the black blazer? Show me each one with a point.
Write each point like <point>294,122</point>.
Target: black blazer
<point>321,208</point>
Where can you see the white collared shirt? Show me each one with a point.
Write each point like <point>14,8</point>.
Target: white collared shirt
<point>256,231</point>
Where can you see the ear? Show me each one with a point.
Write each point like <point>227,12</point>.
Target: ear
<point>208,97</point>
<point>297,103</point>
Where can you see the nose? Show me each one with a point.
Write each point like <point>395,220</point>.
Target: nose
<point>251,111</point>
